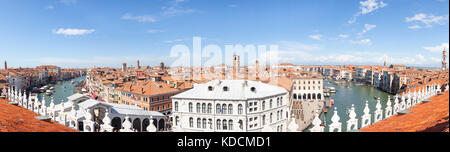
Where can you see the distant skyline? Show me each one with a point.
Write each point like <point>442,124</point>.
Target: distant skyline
<point>107,33</point>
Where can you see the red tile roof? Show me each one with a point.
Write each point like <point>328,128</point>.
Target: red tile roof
<point>425,117</point>
<point>18,119</point>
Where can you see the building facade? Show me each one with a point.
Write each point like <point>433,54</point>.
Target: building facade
<point>231,106</point>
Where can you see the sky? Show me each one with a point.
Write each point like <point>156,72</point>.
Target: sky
<point>106,33</point>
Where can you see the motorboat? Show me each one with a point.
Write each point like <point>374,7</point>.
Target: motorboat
<point>48,92</point>
<point>332,90</point>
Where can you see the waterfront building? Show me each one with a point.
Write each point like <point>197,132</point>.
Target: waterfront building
<point>151,95</point>
<point>308,88</point>
<point>231,106</point>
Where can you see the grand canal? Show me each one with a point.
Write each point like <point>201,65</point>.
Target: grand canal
<point>349,93</point>
<point>62,90</point>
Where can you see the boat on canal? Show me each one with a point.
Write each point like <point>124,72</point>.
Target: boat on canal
<point>48,92</point>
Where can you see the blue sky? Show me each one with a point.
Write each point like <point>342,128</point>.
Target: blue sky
<point>86,33</point>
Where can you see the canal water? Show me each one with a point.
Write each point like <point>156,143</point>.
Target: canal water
<point>347,94</point>
<point>63,89</point>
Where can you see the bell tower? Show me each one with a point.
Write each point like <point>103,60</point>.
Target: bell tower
<point>236,65</point>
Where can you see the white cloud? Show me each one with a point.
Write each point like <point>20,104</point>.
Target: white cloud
<point>142,18</point>
<point>367,7</point>
<point>362,42</point>
<point>73,32</point>
<point>414,27</point>
<point>367,27</point>
<point>177,10</point>
<point>438,48</point>
<point>343,36</point>
<point>50,7</point>
<point>315,37</point>
<point>428,20</point>
<point>371,5</point>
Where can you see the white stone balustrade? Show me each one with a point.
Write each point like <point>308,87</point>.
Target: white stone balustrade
<point>335,124</point>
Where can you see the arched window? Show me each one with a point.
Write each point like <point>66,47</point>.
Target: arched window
<point>278,102</point>
<point>240,110</point>
<point>271,116</point>
<point>295,96</point>
<point>270,104</point>
<point>225,89</point>
<point>264,120</point>
<point>176,106</point>
<point>204,108</point>
<point>304,97</point>
<point>241,124</point>
<point>191,122</point>
<point>230,124</point>
<point>218,109</point>
<point>198,108</point>
<point>190,107</point>
<point>210,123</point>
<point>263,105</point>
<point>319,96</point>
<point>199,123</point>
<point>309,96</point>
<point>177,120</point>
<point>209,107</point>
<point>314,96</point>
<point>230,109</point>
<point>278,115</point>
<point>281,114</point>
<point>224,109</point>
<point>204,123</point>
<point>218,124</point>
<point>225,122</point>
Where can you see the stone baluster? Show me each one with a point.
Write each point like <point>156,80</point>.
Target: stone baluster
<point>352,123</point>
<point>388,111</point>
<point>43,109</point>
<point>51,109</point>
<point>316,124</point>
<point>9,93</point>
<point>151,127</point>
<point>25,100</point>
<point>439,89</point>
<point>16,96</point>
<point>378,112</point>
<point>414,98</point>
<point>4,92</point>
<point>36,105</point>
<point>127,126</point>
<point>106,126</point>
<point>19,99</point>
<point>408,101</point>
<point>335,124</point>
<point>366,117</point>
<point>403,103</point>
<point>396,105</point>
